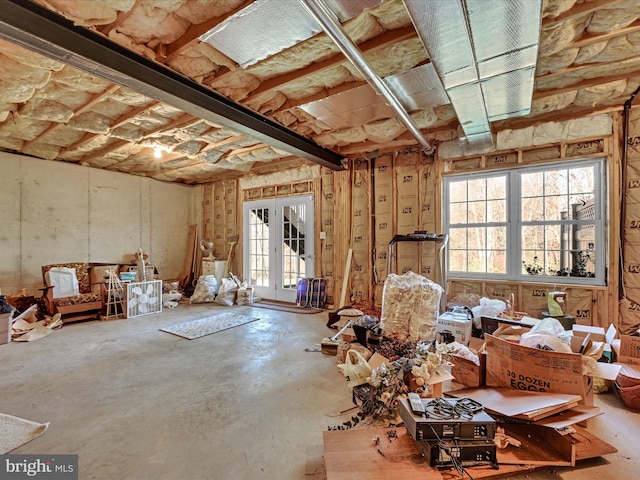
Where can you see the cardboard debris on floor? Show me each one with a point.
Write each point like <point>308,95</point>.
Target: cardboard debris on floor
<point>538,399</point>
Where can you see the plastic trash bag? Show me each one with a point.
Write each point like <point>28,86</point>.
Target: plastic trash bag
<point>489,307</point>
<point>205,291</point>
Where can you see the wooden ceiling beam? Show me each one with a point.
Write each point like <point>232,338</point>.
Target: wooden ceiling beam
<point>554,116</point>
<point>142,167</point>
<point>240,151</point>
<point>592,82</point>
<point>578,68</point>
<point>120,121</point>
<point>121,17</point>
<point>590,39</point>
<point>322,94</point>
<point>123,143</point>
<point>377,43</point>
<point>116,145</point>
<point>184,121</point>
<point>196,31</point>
<point>280,164</point>
<point>209,146</point>
<point>97,98</point>
<point>578,10</point>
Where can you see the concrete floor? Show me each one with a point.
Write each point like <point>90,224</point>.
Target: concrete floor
<point>245,403</point>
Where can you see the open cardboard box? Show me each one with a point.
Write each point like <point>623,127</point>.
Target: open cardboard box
<point>626,349</point>
<point>465,372</point>
<point>525,368</point>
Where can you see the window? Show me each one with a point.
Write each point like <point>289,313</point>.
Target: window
<point>528,224</point>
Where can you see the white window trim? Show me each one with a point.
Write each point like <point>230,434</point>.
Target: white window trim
<point>514,253</point>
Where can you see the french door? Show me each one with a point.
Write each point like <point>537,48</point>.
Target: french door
<point>278,245</point>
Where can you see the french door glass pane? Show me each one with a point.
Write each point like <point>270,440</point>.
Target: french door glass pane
<point>293,245</point>
<point>259,256</point>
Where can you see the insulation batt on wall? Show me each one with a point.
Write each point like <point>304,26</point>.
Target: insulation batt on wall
<point>500,291</point>
<point>630,306</point>
<point>580,305</point>
<point>463,286</point>
<point>326,222</point>
<point>360,270</point>
<point>427,214</point>
<point>219,229</point>
<point>208,212</point>
<point>383,227</point>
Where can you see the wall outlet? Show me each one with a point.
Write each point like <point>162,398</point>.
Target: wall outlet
<point>323,235</point>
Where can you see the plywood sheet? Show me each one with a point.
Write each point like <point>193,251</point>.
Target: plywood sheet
<point>570,417</point>
<point>539,446</point>
<point>353,455</point>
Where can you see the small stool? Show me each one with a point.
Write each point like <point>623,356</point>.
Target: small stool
<point>567,321</point>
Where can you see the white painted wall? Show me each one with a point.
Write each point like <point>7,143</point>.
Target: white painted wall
<point>57,212</point>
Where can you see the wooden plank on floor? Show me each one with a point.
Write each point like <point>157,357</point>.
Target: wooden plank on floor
<point>539,446</point>
<point>353,455</point>
<point>588,445</point>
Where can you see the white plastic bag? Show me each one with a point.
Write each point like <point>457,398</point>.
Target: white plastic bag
<point>548,333</point>
<point>355,369</point>
<point>489,307</point>
<point>227,292</point>
<point>205,291</point>
<point>170,300</point>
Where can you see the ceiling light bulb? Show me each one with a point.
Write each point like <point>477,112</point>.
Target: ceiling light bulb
<point>157,153</point>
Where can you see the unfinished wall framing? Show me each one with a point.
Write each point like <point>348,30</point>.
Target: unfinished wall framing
<point>399,192</point>
<point>630,298</point>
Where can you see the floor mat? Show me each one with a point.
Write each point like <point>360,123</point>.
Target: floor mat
<point>15,432</point>
<point>283,307</point>
<point>208,325</point>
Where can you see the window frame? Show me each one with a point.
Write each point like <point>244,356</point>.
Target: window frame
<point>514,223</point>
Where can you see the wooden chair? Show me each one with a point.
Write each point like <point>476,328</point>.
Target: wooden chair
<point>87,304</point>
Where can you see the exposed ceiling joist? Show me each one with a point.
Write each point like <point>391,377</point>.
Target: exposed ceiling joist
<point>377,43</point>
<point>578,10</point>
<point>40,30</point>
<point>195,31</point>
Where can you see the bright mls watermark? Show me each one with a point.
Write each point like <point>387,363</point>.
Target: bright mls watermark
<point>39,467</point>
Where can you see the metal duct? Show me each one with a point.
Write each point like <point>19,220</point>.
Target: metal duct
<point>268,37</point>
<point>36,28</point>
<point>485,52</point>
<point>327,19</point>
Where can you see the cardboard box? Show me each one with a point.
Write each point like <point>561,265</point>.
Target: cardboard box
<point>524,368</point>
<point>628,350</point>
<point>467,372</point>
<point>597,333</point>
<point>245,296</point>
<point>5,327</point>
<point>451,328</point>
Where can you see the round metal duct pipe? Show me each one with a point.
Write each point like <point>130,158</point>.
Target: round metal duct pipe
<point>329,23</point>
